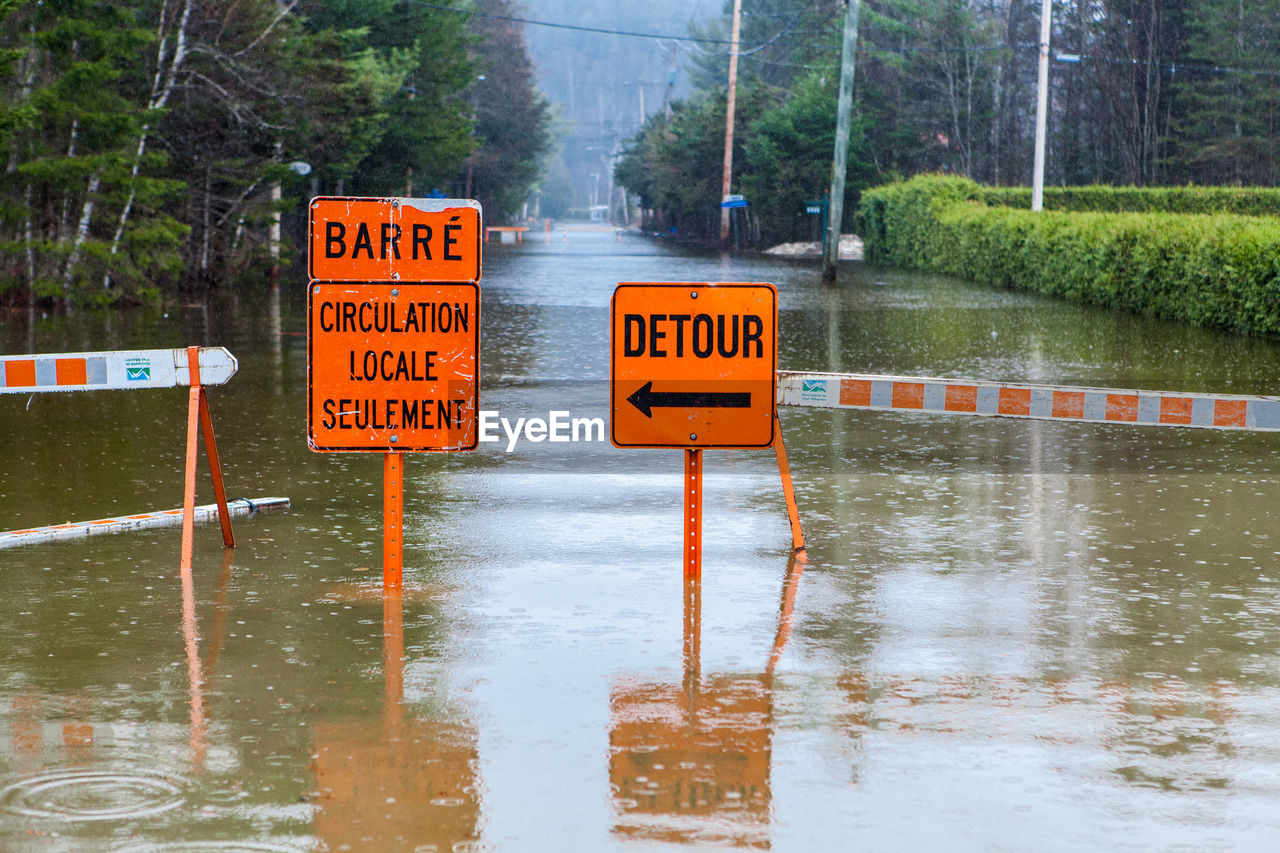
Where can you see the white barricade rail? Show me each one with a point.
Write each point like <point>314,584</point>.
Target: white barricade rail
<point>119,370</point>
<point>141,521</point>
<point>1015,400</point>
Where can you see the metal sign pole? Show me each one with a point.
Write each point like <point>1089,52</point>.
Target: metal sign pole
<point>693,513</point>
<point>392,526</point>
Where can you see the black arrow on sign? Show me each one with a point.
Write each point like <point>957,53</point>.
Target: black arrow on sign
<point>645,399</point>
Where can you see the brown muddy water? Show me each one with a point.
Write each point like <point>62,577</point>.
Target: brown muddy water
<point>1007,635</point>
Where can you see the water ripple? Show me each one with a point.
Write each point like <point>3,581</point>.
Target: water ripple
<point>91,795</point>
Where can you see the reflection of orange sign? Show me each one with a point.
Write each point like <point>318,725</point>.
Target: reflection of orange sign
<point>692,365</point>
<point>418,790</point>
<point>392,366</point>
<point>677,759</point>
<point>394,239</point>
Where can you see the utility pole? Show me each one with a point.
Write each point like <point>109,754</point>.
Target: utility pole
<point>1042,105</point>
<point>728,121</point>
<point>844,115</point>
<point>671,80</point>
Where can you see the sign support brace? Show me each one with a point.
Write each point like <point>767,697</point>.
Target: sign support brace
<point>788,491</point>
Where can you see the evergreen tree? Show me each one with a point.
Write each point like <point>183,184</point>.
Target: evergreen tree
<point>424,126</point>
<point>676,165</point>
<point>512,121</point>
<point>788,153</point>
<point>1227,125</point>
<point>72,165</point>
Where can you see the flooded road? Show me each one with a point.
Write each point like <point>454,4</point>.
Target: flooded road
<point>1007,635</point>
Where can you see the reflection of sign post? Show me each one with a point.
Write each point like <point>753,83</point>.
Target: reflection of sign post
<point>690,761</point>
<point>401,791</point>
<point>692,366</point>
<point>693,765</point>
<point>413,784</point>
<point>393,333</point>
<point>392,368</point>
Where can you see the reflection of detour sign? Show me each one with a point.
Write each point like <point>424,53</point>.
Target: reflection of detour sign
<point>392,366</point>
<point>693,766</point>
<point>394,239</point>
<point>692,365</point>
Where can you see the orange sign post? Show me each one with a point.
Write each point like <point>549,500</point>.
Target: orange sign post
<point>393,336</point>
<point>692,366</point>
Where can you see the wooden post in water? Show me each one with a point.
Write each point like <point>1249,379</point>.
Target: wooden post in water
<point>727,176</point>
<point>844,114</point>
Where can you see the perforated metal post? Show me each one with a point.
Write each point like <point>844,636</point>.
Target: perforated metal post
<point>392,521</point>
<point>693,513</point>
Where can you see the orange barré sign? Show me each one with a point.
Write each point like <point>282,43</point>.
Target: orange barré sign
<point>692,365</point>
<point>394,239</point>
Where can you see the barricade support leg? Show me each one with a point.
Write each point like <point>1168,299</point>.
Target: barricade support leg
<point>215,468</point>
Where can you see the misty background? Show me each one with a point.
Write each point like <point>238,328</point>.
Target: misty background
<point>602,85</point>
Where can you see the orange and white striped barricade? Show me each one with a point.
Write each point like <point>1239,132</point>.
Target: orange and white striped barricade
<point>133,369</point>
<point>1021,400</point>
<point>120,370</point>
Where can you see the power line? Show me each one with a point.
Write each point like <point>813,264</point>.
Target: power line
<point>1171,67</point>
<point>753,47</point>
<point>578,27</point>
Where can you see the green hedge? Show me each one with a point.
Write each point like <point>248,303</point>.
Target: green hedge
<point>1244,201</point>
<point>1211,269</point>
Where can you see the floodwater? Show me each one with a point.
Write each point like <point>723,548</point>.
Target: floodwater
<point>1007,635</point>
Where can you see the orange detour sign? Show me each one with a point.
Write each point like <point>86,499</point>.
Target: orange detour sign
<point>394,239</point>
<point>692,365</point>
<point>392,367</point>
